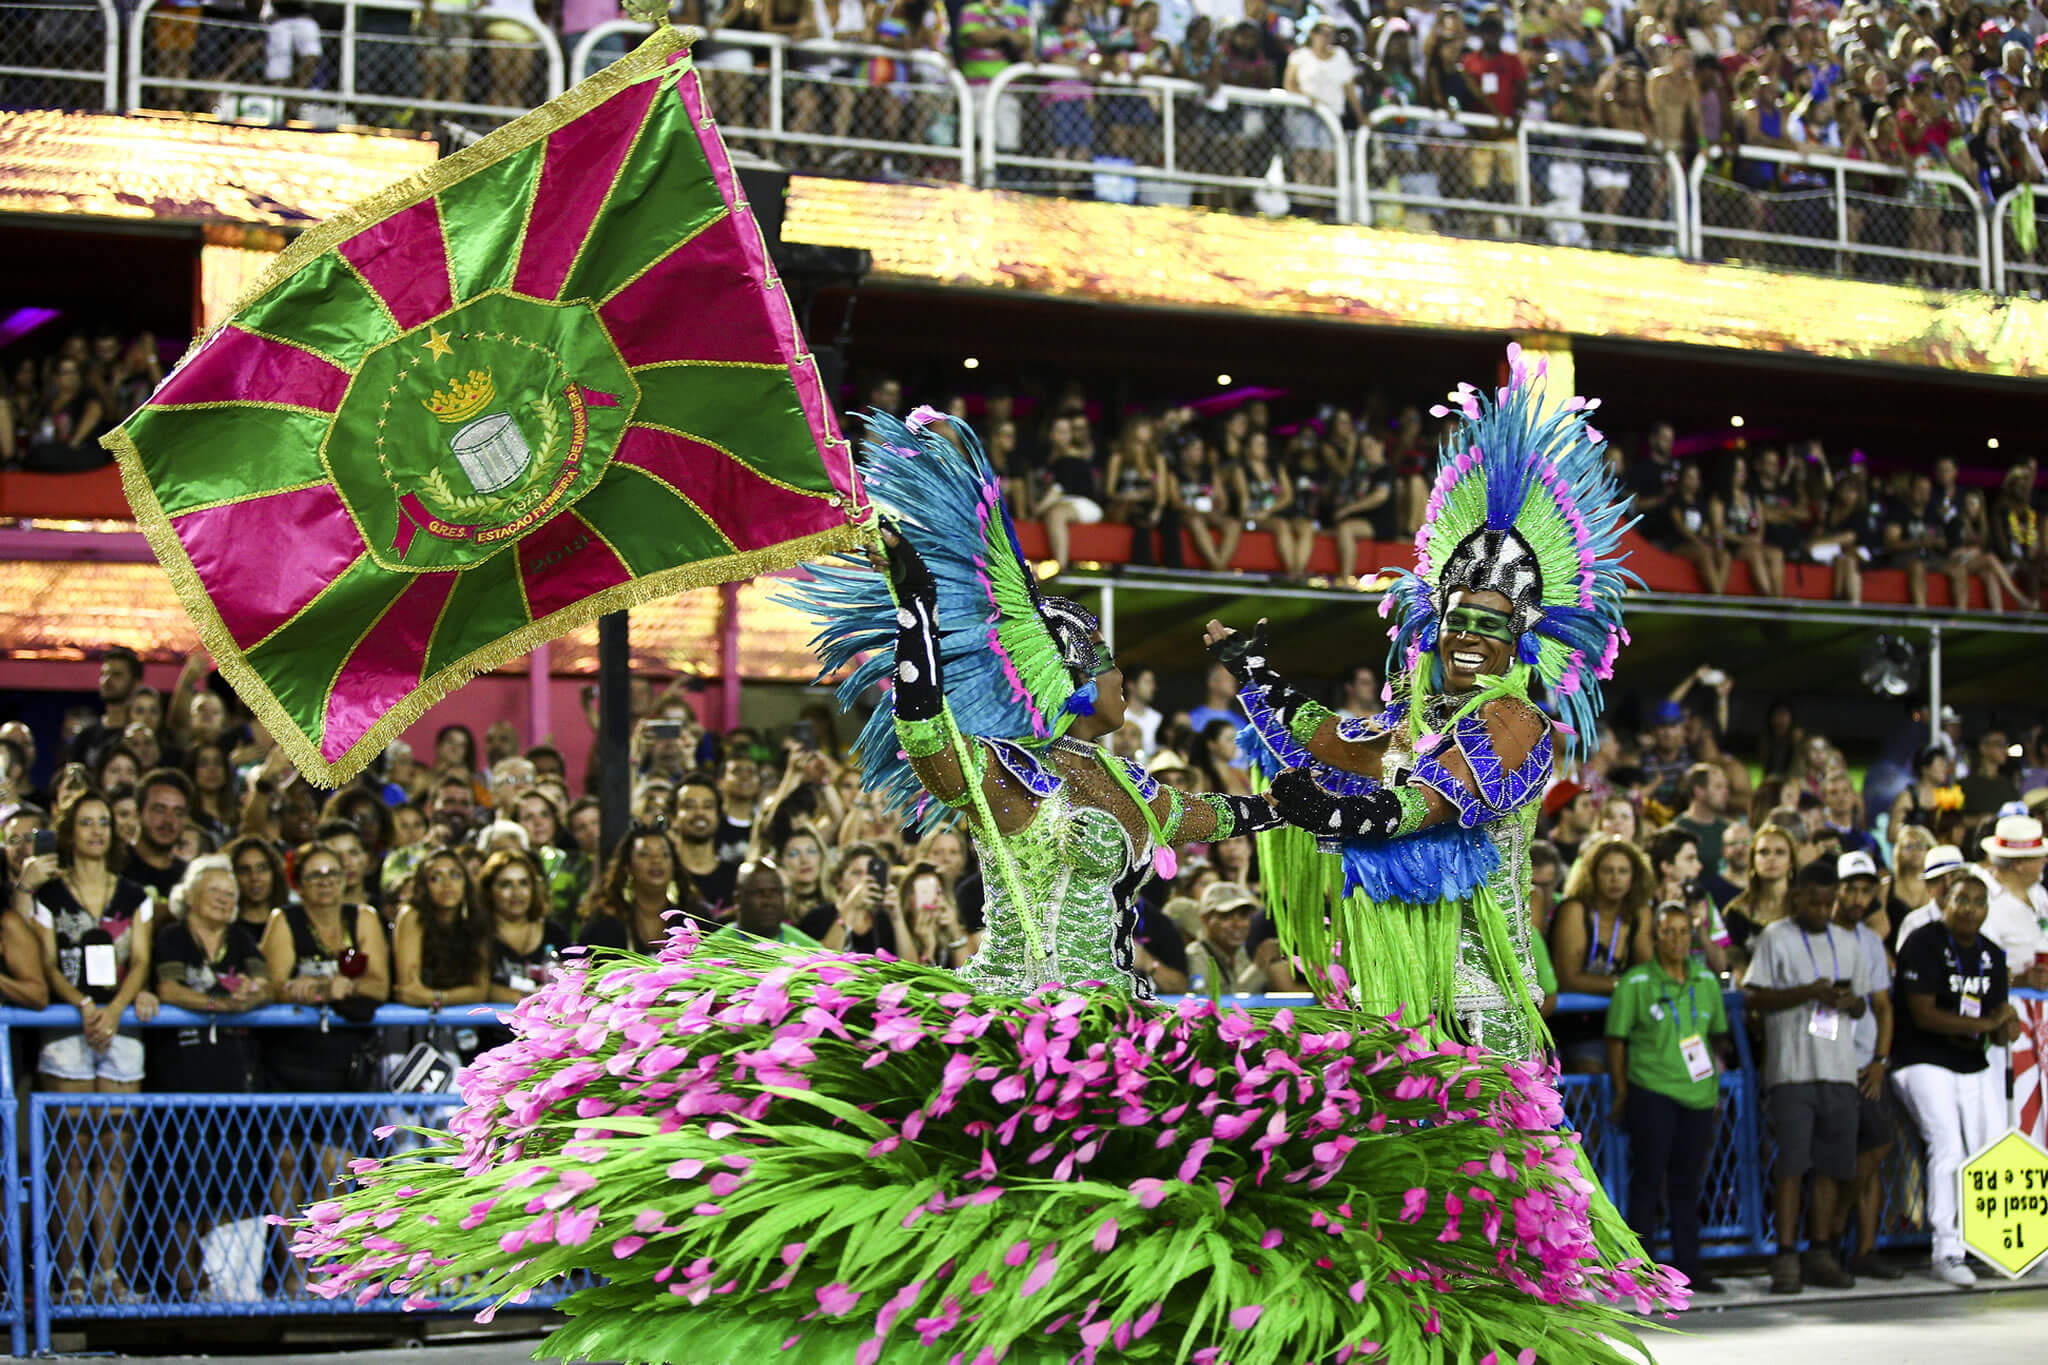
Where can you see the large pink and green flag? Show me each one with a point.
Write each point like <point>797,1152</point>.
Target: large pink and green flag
<point>551,376</point>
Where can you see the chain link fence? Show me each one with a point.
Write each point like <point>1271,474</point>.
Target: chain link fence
<point>1824,215</point>
<point>1469,175</point>
<point>59,54</point>
<point>1155,140</point>
<point>2020,258</point>
<point>845,109</point>
<point>1424,170</point>
<point>156,1205</point>
<point>1596,187</point>
<point>385,62</point>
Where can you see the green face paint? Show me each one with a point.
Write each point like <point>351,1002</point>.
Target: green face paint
<point>1099,660</point>
<point>1492,625</point>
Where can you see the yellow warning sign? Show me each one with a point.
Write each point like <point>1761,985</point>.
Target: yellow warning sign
<point>2004,1203</point>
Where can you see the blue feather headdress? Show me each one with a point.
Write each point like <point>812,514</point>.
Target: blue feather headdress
<point>1524,505</point>
<point>1016,664</point>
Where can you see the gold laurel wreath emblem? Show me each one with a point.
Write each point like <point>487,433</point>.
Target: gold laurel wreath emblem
<point>477,508</point>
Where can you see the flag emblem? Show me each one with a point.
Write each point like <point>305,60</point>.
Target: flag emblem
<point>488,420</point>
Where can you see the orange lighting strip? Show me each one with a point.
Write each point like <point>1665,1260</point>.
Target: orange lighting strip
<point>1189,258</point>
<point>192,169</point>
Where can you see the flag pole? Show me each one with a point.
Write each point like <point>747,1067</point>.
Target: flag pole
<point>614,726</point>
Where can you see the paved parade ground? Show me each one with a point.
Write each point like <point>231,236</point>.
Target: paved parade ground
<point>1925,1324</point>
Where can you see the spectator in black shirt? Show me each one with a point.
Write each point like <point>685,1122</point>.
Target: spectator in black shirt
<point>698,809</point>
<point>739,789</point>
<point>1989,784</point>
<point>1684,526</point>
<point>1652,478</point>
<point>1363,504</point>
<point>643,881</point>
<point>863,916</point>
<point>209,962</point>
<point>1067,491</point>
<point>259,881</point>
<point>440,942</point>
<point>1953,979</point>
<point>120,675</point>
<point>524,941</point>
<point>1914,538</point>
<point>164,798</point>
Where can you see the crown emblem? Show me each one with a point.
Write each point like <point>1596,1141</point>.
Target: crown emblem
<point>463,399</point>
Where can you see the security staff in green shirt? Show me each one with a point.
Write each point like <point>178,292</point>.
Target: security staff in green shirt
<point>1661,1029</point>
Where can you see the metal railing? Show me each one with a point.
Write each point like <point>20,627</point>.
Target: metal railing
<point>179,1184</point>
<point>1471,175</point>
<point>1829,215</point>
<point>822,107</point>
<point>60,54</point>
<point>1157,139</point>
<point>389,62</point>
<point>2019,258</point>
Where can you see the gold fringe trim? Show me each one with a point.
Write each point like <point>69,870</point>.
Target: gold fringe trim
<point>649,60</point>
<point>301,748</point>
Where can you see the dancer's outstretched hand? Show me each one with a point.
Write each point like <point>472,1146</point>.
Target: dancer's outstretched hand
<point>1244,654</point>
<point>906,568</point>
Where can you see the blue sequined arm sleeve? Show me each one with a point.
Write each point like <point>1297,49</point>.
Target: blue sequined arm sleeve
<point>1498,788</point>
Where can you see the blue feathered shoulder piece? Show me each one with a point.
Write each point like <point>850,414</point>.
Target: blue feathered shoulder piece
<point>1523,505</point>
<point>1001,666</point>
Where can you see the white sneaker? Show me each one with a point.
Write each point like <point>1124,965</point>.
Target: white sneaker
<point>1955,1273</point>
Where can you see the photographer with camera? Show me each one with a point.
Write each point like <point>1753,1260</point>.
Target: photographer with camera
<point>863,916</point>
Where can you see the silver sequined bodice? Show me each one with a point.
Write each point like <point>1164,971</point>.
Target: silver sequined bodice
<point>1071,860</point>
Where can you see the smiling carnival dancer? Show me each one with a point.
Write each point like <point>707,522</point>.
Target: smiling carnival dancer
<point>1407,870</point>
<point>773,1154</point>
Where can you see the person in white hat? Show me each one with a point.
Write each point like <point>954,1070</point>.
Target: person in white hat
<point>1943,861</point>
<point>2018,916</point>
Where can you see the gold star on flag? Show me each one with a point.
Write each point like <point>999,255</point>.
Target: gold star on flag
<point>437,344</point>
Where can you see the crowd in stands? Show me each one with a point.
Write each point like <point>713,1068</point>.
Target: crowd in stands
<point>1297,470</point>
<point>58,401</point>
<point>174,857</point>
<point>1199,476</point>
<point>1948,84</point>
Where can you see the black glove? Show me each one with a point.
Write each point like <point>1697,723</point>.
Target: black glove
<point>920,693</point>
<point>1249,814</point>
<point>908,573</point>
<point>1376,814</point>
<point>1244,654</point>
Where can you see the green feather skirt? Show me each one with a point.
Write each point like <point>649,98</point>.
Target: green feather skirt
<point>750,1155</point>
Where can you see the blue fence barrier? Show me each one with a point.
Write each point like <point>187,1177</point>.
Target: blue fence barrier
<point>165,1193</point>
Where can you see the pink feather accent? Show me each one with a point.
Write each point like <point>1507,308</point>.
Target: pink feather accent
<point>1165,862</point>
